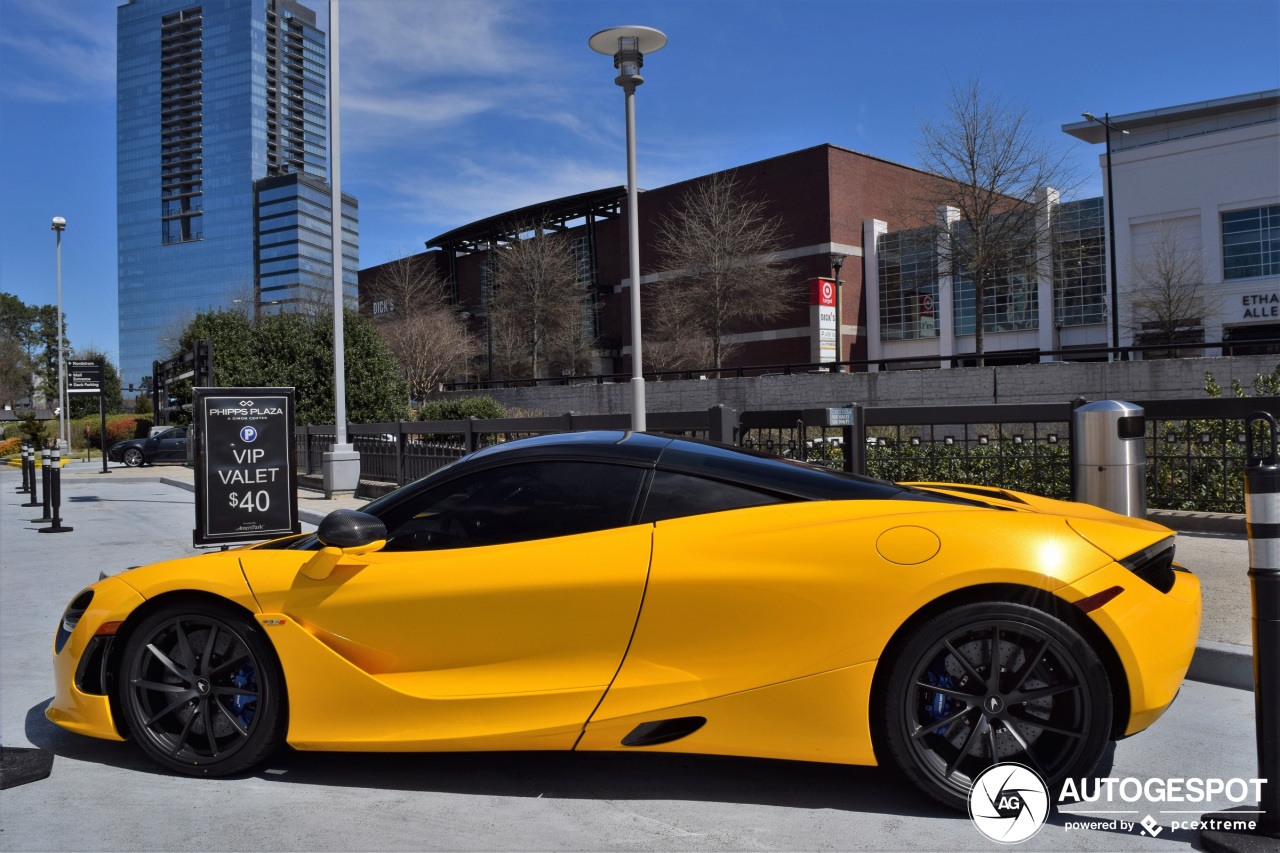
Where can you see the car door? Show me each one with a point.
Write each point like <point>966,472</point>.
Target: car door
<point>502,604</point>
<point>170,446</point>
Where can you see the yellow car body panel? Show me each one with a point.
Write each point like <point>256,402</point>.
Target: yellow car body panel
<point>71,708</point>
<point>505,641</point>
<point>1153,633</point>
<point>818,718</point>
<point>750,598</point>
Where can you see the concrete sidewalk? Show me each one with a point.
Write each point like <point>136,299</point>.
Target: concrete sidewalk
<point>106,796</point>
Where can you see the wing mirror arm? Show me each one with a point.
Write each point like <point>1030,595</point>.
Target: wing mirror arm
<point>347,535</point>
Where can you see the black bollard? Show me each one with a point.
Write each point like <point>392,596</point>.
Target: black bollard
<point>26,482</point>
<point>1262,513</point>
<point>30,463</point>
<point>44,483</point>
<point>55,496</point>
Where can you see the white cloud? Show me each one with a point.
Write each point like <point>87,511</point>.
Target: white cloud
<point>445,195</point>
<point>59,51</point>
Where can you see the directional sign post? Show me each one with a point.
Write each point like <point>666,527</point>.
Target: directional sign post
<point>246,482</point>
<point>85,377</point>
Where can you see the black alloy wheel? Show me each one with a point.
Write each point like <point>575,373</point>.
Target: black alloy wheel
<point>991,683</point>
<point>201,690</point>
<point>133,457</point>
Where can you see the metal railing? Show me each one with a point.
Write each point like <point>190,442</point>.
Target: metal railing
<point>1195,449</point>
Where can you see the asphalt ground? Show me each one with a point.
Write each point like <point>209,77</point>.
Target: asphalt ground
<point>106,796</point>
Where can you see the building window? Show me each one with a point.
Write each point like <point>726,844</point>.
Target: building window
<point>1079,263</point>
<point>908,285</point>
<point>1010,299</point>
<point>1251,243</point>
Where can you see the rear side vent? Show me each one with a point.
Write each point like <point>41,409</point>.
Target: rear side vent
<point>663,731</point>
<point>1154,565</point>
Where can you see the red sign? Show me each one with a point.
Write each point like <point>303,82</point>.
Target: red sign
<point>926,305</point>
<point>822,291</point>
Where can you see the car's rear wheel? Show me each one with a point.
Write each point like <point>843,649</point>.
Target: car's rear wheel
<point>991,683</point>
<point>201,690</point>
<point>133,457</point>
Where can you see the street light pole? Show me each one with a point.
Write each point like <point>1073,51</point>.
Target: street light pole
<point>837,261</point>
<point>627,46</point>
<point>340,468</point>
<point>58,226</point>
<point>1105,121</point>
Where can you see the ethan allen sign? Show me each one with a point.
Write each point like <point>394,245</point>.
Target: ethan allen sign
<point>1261,306</point>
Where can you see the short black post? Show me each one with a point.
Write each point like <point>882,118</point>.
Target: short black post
<point>1262,513</point>
<point>1262,518</point>
<point>55,492</point>
<point>29,465</point>
<point>26,477</point>
<point>44,477</point>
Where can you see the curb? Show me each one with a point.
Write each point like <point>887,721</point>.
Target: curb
<point>1223,664</point>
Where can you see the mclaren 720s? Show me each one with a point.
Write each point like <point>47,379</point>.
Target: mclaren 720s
<point>632,591</point>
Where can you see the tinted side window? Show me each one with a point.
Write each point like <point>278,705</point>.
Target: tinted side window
<point>535,500</point>
<point>675,495</point>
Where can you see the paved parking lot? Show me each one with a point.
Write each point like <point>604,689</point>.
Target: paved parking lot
<point>106,796</point>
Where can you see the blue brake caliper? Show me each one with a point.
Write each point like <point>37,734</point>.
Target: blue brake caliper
<point>246,678</point>
<point>939,707</point>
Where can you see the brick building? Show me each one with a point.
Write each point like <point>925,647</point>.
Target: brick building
<point>822,195</point>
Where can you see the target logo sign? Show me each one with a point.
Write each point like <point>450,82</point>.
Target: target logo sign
<point>822,292</point>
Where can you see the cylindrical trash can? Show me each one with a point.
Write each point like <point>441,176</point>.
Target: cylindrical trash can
<point>1109,458</point>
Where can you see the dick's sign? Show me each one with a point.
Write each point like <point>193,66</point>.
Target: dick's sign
<point>246,484</point>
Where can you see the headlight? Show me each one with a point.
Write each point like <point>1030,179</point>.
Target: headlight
<point>71,618</point>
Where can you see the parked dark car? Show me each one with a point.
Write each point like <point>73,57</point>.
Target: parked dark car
<point>168,446</point>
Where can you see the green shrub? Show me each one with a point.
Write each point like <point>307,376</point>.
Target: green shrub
<point>466,407</point>
<point>119,428</point>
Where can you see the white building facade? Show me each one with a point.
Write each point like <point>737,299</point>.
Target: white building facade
<point>1197,221</point>
<point>1198,184</point>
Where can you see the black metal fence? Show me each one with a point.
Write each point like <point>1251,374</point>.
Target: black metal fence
<point>1195,449</point>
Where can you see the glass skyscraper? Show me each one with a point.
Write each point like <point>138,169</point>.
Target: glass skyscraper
<point>221,107</point>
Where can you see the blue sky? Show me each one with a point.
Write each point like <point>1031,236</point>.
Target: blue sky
<point>457,109</point>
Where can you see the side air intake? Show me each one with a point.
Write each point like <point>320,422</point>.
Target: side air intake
<point>663,731</point>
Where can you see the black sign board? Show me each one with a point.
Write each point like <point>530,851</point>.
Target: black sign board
<point>84,377</point>
<point>246,482</point>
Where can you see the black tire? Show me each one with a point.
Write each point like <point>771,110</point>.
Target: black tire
<point>1052,703</point>
<point>133,458</point>
<point>201,690</point>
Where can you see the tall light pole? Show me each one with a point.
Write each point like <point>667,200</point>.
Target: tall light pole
<point>627,46</point>
<point>340,469</point>
<point>59,225</point>
<point>837,261</point>
<point>1105,121</point>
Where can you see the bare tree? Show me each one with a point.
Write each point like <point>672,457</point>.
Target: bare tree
<point>428,339</point>
<point>720,247</point>
<point>675,341</point>
<point>992,166</point>
<point>1169,299</point>
<point>539,305</point>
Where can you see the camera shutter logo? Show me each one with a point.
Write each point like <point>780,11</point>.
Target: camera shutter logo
<point>1009,803</point>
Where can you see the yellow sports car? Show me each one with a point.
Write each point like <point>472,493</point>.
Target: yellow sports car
<point>629,591</point>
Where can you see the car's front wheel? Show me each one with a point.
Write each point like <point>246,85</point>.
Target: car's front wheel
<point>990,683</point>
<point>201,689</point>
<point>133,457</point>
